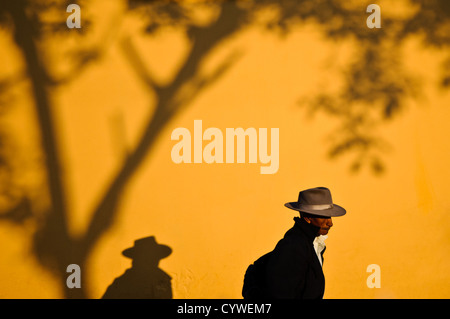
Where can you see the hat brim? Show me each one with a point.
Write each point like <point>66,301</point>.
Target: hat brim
<point>334,211</point>
<point>162,251</point>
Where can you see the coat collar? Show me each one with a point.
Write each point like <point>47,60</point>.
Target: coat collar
<point>309,230</point>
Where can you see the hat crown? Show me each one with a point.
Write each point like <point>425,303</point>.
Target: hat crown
<point>145,242</point>
<point>316,201</point>
<point>315,196</point>
<point>147,245</point>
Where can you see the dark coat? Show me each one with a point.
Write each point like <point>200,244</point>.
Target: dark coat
<point>293,270</point>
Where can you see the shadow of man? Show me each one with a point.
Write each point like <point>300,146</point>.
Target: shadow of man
<point>144,280</point>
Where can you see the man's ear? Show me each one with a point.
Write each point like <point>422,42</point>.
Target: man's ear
<point>307,219</point>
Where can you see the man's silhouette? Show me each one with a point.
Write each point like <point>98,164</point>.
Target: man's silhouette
<point>293,270</point>
<point>144,280</point>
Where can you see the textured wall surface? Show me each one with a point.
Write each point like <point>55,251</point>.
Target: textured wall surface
<point>102,89</point>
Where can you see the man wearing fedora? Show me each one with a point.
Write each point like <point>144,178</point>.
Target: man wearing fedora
<point>294,269</point>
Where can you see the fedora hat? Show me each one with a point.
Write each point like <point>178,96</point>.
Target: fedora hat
<point>316,201</point>
<point>147,245</point>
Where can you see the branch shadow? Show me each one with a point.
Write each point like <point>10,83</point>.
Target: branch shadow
<point>367,83</point>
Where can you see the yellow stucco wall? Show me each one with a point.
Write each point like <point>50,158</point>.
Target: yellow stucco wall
<point>218,218</point>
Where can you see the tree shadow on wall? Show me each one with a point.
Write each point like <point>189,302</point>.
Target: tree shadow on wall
<point>376,87</point>
<point>144,280</point>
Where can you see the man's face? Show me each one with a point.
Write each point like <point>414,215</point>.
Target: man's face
<point>325,223</point>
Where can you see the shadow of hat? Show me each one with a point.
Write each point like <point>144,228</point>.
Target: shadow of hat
<point>147,245</point>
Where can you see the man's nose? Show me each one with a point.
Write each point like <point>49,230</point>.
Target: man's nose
<point>330,222</point>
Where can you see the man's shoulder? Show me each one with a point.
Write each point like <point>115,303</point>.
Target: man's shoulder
<point>293,239</point>
<point>295,233</point>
